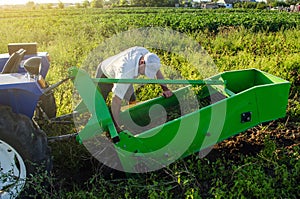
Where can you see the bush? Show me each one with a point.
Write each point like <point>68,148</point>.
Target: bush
<point>261,5</point>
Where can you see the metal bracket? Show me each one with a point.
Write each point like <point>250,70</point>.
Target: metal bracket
<point>50,88</point>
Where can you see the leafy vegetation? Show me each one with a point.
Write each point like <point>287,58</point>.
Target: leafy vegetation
<point>262,162</point>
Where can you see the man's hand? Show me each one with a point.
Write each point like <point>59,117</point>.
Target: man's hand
<point>167,93</point>
<point>118,129</point>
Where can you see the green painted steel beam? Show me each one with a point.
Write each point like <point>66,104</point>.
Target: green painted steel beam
<point>93,101</point>
<point>160,81</point>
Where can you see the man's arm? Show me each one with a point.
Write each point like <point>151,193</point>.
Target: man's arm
<point>116,109</point>
<point>166,91</point>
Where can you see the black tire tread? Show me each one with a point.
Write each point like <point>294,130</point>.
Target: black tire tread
<point>31,143</point>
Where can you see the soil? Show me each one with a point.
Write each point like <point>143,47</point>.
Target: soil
<point>285,134</point>
<point>252,141</point>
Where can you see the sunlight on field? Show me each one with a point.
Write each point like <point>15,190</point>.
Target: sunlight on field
<point>23,2</point>
<point>262,162</point>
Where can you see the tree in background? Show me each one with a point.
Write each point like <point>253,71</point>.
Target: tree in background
<point>153,3</point>
<point>61,5</point>
<point>77,5</point>
<point>142,3</point>
<point>49,6</point>
<point>275,3</point>
<point>261,5</point>
<point>86,4</point>
<point>97,4</point>
<point>114,1</point>
<point>123,2</point>
<point>292,2</point>
<point>30,4</point>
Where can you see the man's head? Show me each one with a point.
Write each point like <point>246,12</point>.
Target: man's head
<point>152,63</point>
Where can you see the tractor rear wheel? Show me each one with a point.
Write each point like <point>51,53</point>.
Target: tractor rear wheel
<point>23,151</point>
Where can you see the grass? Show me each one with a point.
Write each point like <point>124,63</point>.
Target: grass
<point>262,162</point>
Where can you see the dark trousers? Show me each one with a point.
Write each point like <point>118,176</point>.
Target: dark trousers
<point>106,88</point>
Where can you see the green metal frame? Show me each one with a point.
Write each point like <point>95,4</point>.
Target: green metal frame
<point>252,97</point>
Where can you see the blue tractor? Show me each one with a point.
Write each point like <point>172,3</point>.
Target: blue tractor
<point>24,94</point>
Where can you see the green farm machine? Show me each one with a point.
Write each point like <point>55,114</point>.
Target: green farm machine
<point>225,104</point>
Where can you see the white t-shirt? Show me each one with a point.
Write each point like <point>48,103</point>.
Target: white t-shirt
<point>123,66</point>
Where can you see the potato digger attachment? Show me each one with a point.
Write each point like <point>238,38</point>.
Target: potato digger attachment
<point>225,104</point>
<point>156,132</point>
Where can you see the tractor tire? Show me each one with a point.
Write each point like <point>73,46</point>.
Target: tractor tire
<point>23,150</point>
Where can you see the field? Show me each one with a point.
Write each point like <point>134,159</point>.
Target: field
<point>262,162</point>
